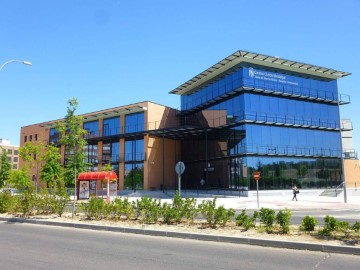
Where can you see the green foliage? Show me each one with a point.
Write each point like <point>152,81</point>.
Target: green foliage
<point>72,137</point>
<point>246,221</point>
<point>223,216</point>
<point>179,209</point>
<point>7,202</point>
<point>214,215</point>
<point>308,224</point>
<point>26,203</point>
<point>168,213</point>
<point>43,202</point>
<point>5,168</point>
<point>207,208</point>
<point>356,226</point>
<point>20,180</point>
<point>331,225</point>
<point>148,209</point>
<point>122,208</point>
<point>96,208</point>
<point>190,209</point>
<point>267,217</point>
<point>283,218</point>
<point>52,168</point>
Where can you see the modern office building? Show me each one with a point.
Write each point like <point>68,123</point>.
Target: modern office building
<point>249,112</point>
<point>12,152</point>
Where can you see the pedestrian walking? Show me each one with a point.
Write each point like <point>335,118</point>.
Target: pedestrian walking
<point>295,191</point>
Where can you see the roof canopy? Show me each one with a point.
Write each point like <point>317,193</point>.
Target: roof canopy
<point>240,57</point>
<point>97,176</point>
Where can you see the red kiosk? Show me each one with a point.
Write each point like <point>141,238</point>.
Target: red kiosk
<point>88,184</point>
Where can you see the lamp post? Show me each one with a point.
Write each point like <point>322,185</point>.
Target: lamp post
<point>18,61</point>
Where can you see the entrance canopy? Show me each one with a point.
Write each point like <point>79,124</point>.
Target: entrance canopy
<point>97,176</point>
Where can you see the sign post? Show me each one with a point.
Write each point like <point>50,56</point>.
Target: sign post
<point>179,169</point>
<point>257,176</point>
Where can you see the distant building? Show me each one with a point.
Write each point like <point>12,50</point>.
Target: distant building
<point>12,152</point>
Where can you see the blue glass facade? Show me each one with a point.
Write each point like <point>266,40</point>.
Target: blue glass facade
<point>111,126</point>
<point>134,122</point>
<point>92,129</point>
<point>285,125</point>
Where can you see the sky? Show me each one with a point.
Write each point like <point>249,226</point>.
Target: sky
<point>112,53</point>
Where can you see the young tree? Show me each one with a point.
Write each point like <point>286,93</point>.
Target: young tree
<point>52,169</point>
<point>72,137</point>
<point>5,168</point>
<point>32,153</point>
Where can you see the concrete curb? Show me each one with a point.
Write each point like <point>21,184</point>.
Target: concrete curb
<point>195,236</point>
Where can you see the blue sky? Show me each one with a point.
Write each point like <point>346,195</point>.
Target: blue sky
<point>113,53</point>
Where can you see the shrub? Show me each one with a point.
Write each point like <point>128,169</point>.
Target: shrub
<point>308,224</point>
<point>215,215</point>
<point>331,225</point>
<point>168,213</point>
<point>207,208</point>
<point>283,218</point>
<point>356,226</point>
<point>6,202</point>
<point>95,209</point>
<point>26,203</point>
<point>245,220</point>
<point>148,209</point>
<point>190,209</point>
<point>222,215</point>
<point>267,217</point>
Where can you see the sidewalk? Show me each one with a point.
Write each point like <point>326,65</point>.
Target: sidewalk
<point>276,199</point>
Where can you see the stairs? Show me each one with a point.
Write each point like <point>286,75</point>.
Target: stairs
<point>331,192</point>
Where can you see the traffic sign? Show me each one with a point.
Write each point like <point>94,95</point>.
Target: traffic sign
<point>180,167</point>
<point>256,175</point>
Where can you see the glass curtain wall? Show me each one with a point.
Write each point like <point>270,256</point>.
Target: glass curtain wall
<point>92,129</point>
<point>111,126</point>
<point>134,122</point>
<point>134,164</point>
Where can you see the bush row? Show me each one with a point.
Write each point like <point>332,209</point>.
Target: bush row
<point>28,202</point>
<point>149,210</point>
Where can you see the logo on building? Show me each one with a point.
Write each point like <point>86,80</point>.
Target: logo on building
<point>251,73</point>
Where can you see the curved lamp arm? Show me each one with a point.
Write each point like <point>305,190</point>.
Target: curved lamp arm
<point>19,61</point>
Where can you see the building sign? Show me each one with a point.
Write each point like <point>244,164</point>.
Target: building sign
<point>270,76</point>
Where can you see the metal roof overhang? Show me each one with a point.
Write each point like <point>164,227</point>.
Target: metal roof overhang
<point>258,59</point>
<point>88,117</point>
<point>97,176</point>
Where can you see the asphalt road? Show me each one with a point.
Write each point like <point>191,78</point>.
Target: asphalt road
<point>25,246</point>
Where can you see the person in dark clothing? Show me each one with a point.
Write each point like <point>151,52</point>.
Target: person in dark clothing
<point>295,191</point>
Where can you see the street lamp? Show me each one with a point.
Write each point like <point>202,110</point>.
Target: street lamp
<point>18,61</point>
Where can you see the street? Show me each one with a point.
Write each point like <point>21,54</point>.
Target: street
<point>25,246</point>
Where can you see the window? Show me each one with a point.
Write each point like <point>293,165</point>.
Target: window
<point>25,139</point>
<point>30,138</point>
<point>54,136</point>
<point>134,122</point>
<point>16,159</point>
<point>92,129</point>
<point>111,126</point>
<point>10,151</point>
<point>36,137</point>
<point>15,166</point>
<point>9,159</point>
<point>16,152</point>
